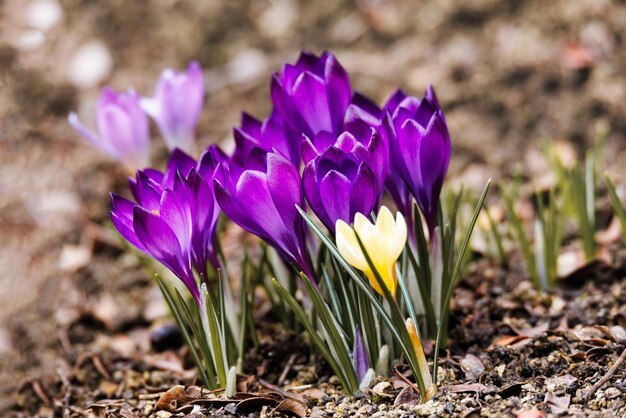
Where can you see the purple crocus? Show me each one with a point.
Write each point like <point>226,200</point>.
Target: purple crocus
<point>420,148</point>
<point>312,95</point>
<point>338,185</point>
<point>175,216</point>
<point>122,127</point>
<point>269,135</point>
<point>261,197</point>
<point>176,106</point>
<point>362,140</point>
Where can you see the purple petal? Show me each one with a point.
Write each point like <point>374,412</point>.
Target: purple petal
<point>311,99</point>
<point>338,92</point>
<point>434,159</point>
<point>362,108</point>
<point>284,185</point>
<point>177,104</point>
<point>285,106</point>
<point>361,363</point>
<point>161,243</point>
<point>122,218</point>
<point>312,192</point>
<point>335,190</point>
<point>89,135</point>
<point>431,96</point>
<point>394,101</point>
<point>175,211</point>
<point>178,161</point>
<point>147,192</point>
<point>365,193</point>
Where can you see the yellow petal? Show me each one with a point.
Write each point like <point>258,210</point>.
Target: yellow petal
<point>385,222</point>
<point>375,244</point>
<point>348,246</point>
<point>360,221</point>
<point>397,239</point>
<point>377,249</point>
<point>374,283</point>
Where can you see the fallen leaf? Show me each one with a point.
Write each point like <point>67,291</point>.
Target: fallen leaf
<point>407,396</point>
<point>382,389</point>
<point>313,393</point>
<point>507,340</point>
<point>173,399</point>
<point>256,404</point>
<point>292,408</point>
<point>472,366</point>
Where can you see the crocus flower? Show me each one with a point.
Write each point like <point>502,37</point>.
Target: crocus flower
<point>383,242</point>
<point>362,140</point>
<point>312,95</point>
<point>175,217</point>
<point>261,197</point>
<point>338,185</point>
<point>122,126</point>
<point>269,135</point>
<point>420,148</point>
<point>176,106</point>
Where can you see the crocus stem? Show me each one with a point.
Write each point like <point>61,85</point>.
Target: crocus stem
<point>436,264</point>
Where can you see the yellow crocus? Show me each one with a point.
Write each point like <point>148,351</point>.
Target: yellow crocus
<point>383,242</point>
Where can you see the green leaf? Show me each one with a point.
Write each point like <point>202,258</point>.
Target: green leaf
<point>520,235</point>
<point>454,277</point>
<point>208,380</point>
<point>337,337</point>
<point>340,372</point>
<point>216,340</point>
<point>502,256</point>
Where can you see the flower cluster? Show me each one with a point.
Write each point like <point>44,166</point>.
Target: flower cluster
<point>323,145</point>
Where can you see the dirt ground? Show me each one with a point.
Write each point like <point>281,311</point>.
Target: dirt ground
<point>74,307</point>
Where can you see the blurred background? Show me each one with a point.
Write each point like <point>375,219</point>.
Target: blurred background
<point>507,73</point>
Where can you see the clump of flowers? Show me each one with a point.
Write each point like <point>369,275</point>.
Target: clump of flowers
<point>365,289</point>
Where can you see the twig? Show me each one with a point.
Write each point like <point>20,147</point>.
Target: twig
<point>408,382</point>
<point>286,370</point>
<point>607,376</point>
<point>283,392</point>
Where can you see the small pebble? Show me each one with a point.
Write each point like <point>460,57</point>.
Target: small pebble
<point>90,65</point>
<point>359,395</point>
<point>166,337</point>
<point>612,393</point>
<point>44,14</point>
<point>231,408</point>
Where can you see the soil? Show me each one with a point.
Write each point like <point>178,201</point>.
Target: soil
<point>83,330</point>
